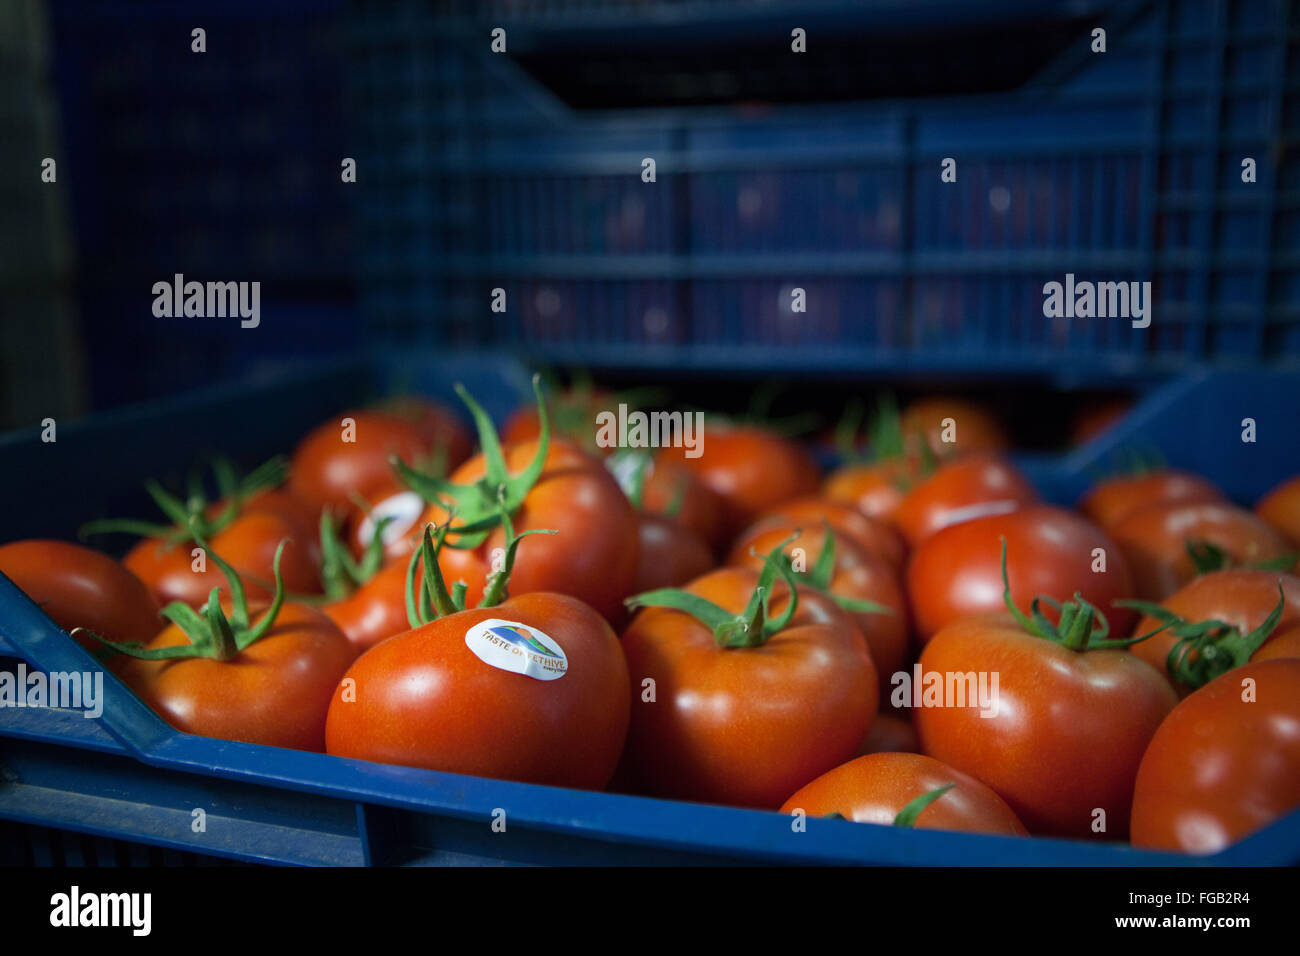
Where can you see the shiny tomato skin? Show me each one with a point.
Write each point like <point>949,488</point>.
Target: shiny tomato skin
<point>1221,767</point>
<point>869,534</point>
<point>444,433</point>
<point>1154,540</point>
<point>1239,597</point>
<point>1281,508</point>
<point>375,611</point>
<point>744,726</point>
<point>594,555</point>
<point>328,472</point>
<point>79,587</point>
<point>876,489</point>
<point>424,699</point>
<point>875,788</point>
<point>966,488</point>
<point>1112,500</point>
<point>275,692</point>
<point>860,575</point>
<point>958,571</point>
<point>248,544</point>
<point>890,733</point>
<point>974,429</point>
<point>750,469</point>
<point>1070,727</point>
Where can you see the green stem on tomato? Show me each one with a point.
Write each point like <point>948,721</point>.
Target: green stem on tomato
<point>907,816</point>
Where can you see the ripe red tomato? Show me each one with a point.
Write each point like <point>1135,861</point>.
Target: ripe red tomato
<point>1050,551</point>
<point>870,535</point>
<point>969,487</point>
<point>673,491</point>
<point>79,587</point>
<point>593,557</point>
<point>750,469</point>
<point>969,424</point>
<point>374,611</point>
<point>1281,508</point>
<point>334,464</point>
<point>857,575</point>
<point>1225,762</point>
<point>744,725</point>
<point>1110,501</point>
<point>1155,541</point>
<point>445,434</point>
<point>1069,730</point>
<point>275,692</point>
<point>437,696</point>
<point>875,488</point>
<point>1240,598</point>
<point>670,555</point>
<point>875,789</point>
<point>890,733</point>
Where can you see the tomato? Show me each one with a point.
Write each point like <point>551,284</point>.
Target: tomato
<point>336,464</point>
<point>1112,500</point>
<point>1156,539</point>
<point>745,725</point>
<point>857,575</point>
<point>750,469</point>
<point>876,488</point>
<point>79,587</point>
<point>890,733</point>
<point>1281,508</point>
<point>1225,762</point>
<point>1240,598</point>
<point>1050,551</point>
<point>573,414</point>
<point>426,698</point>
<point>1068,728</point>
<point>870,535</point>
<point>593,557</point>
<point>375,611</point>
<point>444,433</point>
<point>875,789</point>
<point>670,555</point>
<point>969,487</point>
<point>671,490</point>
<point>268,683</point>
<point>968,424</point>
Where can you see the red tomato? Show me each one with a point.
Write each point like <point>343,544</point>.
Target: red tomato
<point>445,434</point>
<point>572,417</point>
<point>969,487</point>
<point>858,575</point>
<point>1225,763</point>
<point>876,488</point>
<point>79,587</point>
<point>890,733</point>
<point>970,426</point>
<point>1112,500</point>
<point>1155,541</point>
<point>374,611</point>
<point>426,698</point>
<point>1240,598</point>
<point>870,535</point>
<point>875,789</point>
<point>1281,508</point>
<point>670,555</point>
<point>744,725</point>
<point>750,469</point>
<point>1069,730</point>
<point>669,485</point>
<point>594,555</point>
<point>335,464</point>
<point>274,692</point>
<point>1050,551</point>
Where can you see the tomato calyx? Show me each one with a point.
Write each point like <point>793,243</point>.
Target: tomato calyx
<point>482,504</point>
<point>429,599</point>
<point>189,516</point>
<point>821,575</point>
<point>341,574</point>
<point>885,440</point>
<point>1208,649</point>
<point>754,626</point>
<point>906,817</point>
<point>1081,625</point>
<point>1207,556</point>
<point>212,634</point>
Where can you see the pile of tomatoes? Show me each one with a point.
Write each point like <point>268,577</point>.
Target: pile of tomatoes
<point>913,639</point>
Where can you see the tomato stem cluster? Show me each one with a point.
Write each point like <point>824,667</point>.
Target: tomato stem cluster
<point>340,573</point>
<point>1207,556</point>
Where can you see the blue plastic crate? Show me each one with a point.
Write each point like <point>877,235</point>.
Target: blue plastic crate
<point>1123,165</point>
<point>122,789</point>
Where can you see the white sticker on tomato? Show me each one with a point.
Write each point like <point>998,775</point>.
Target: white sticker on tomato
<point>404,508</point>
<point>517,648</point>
